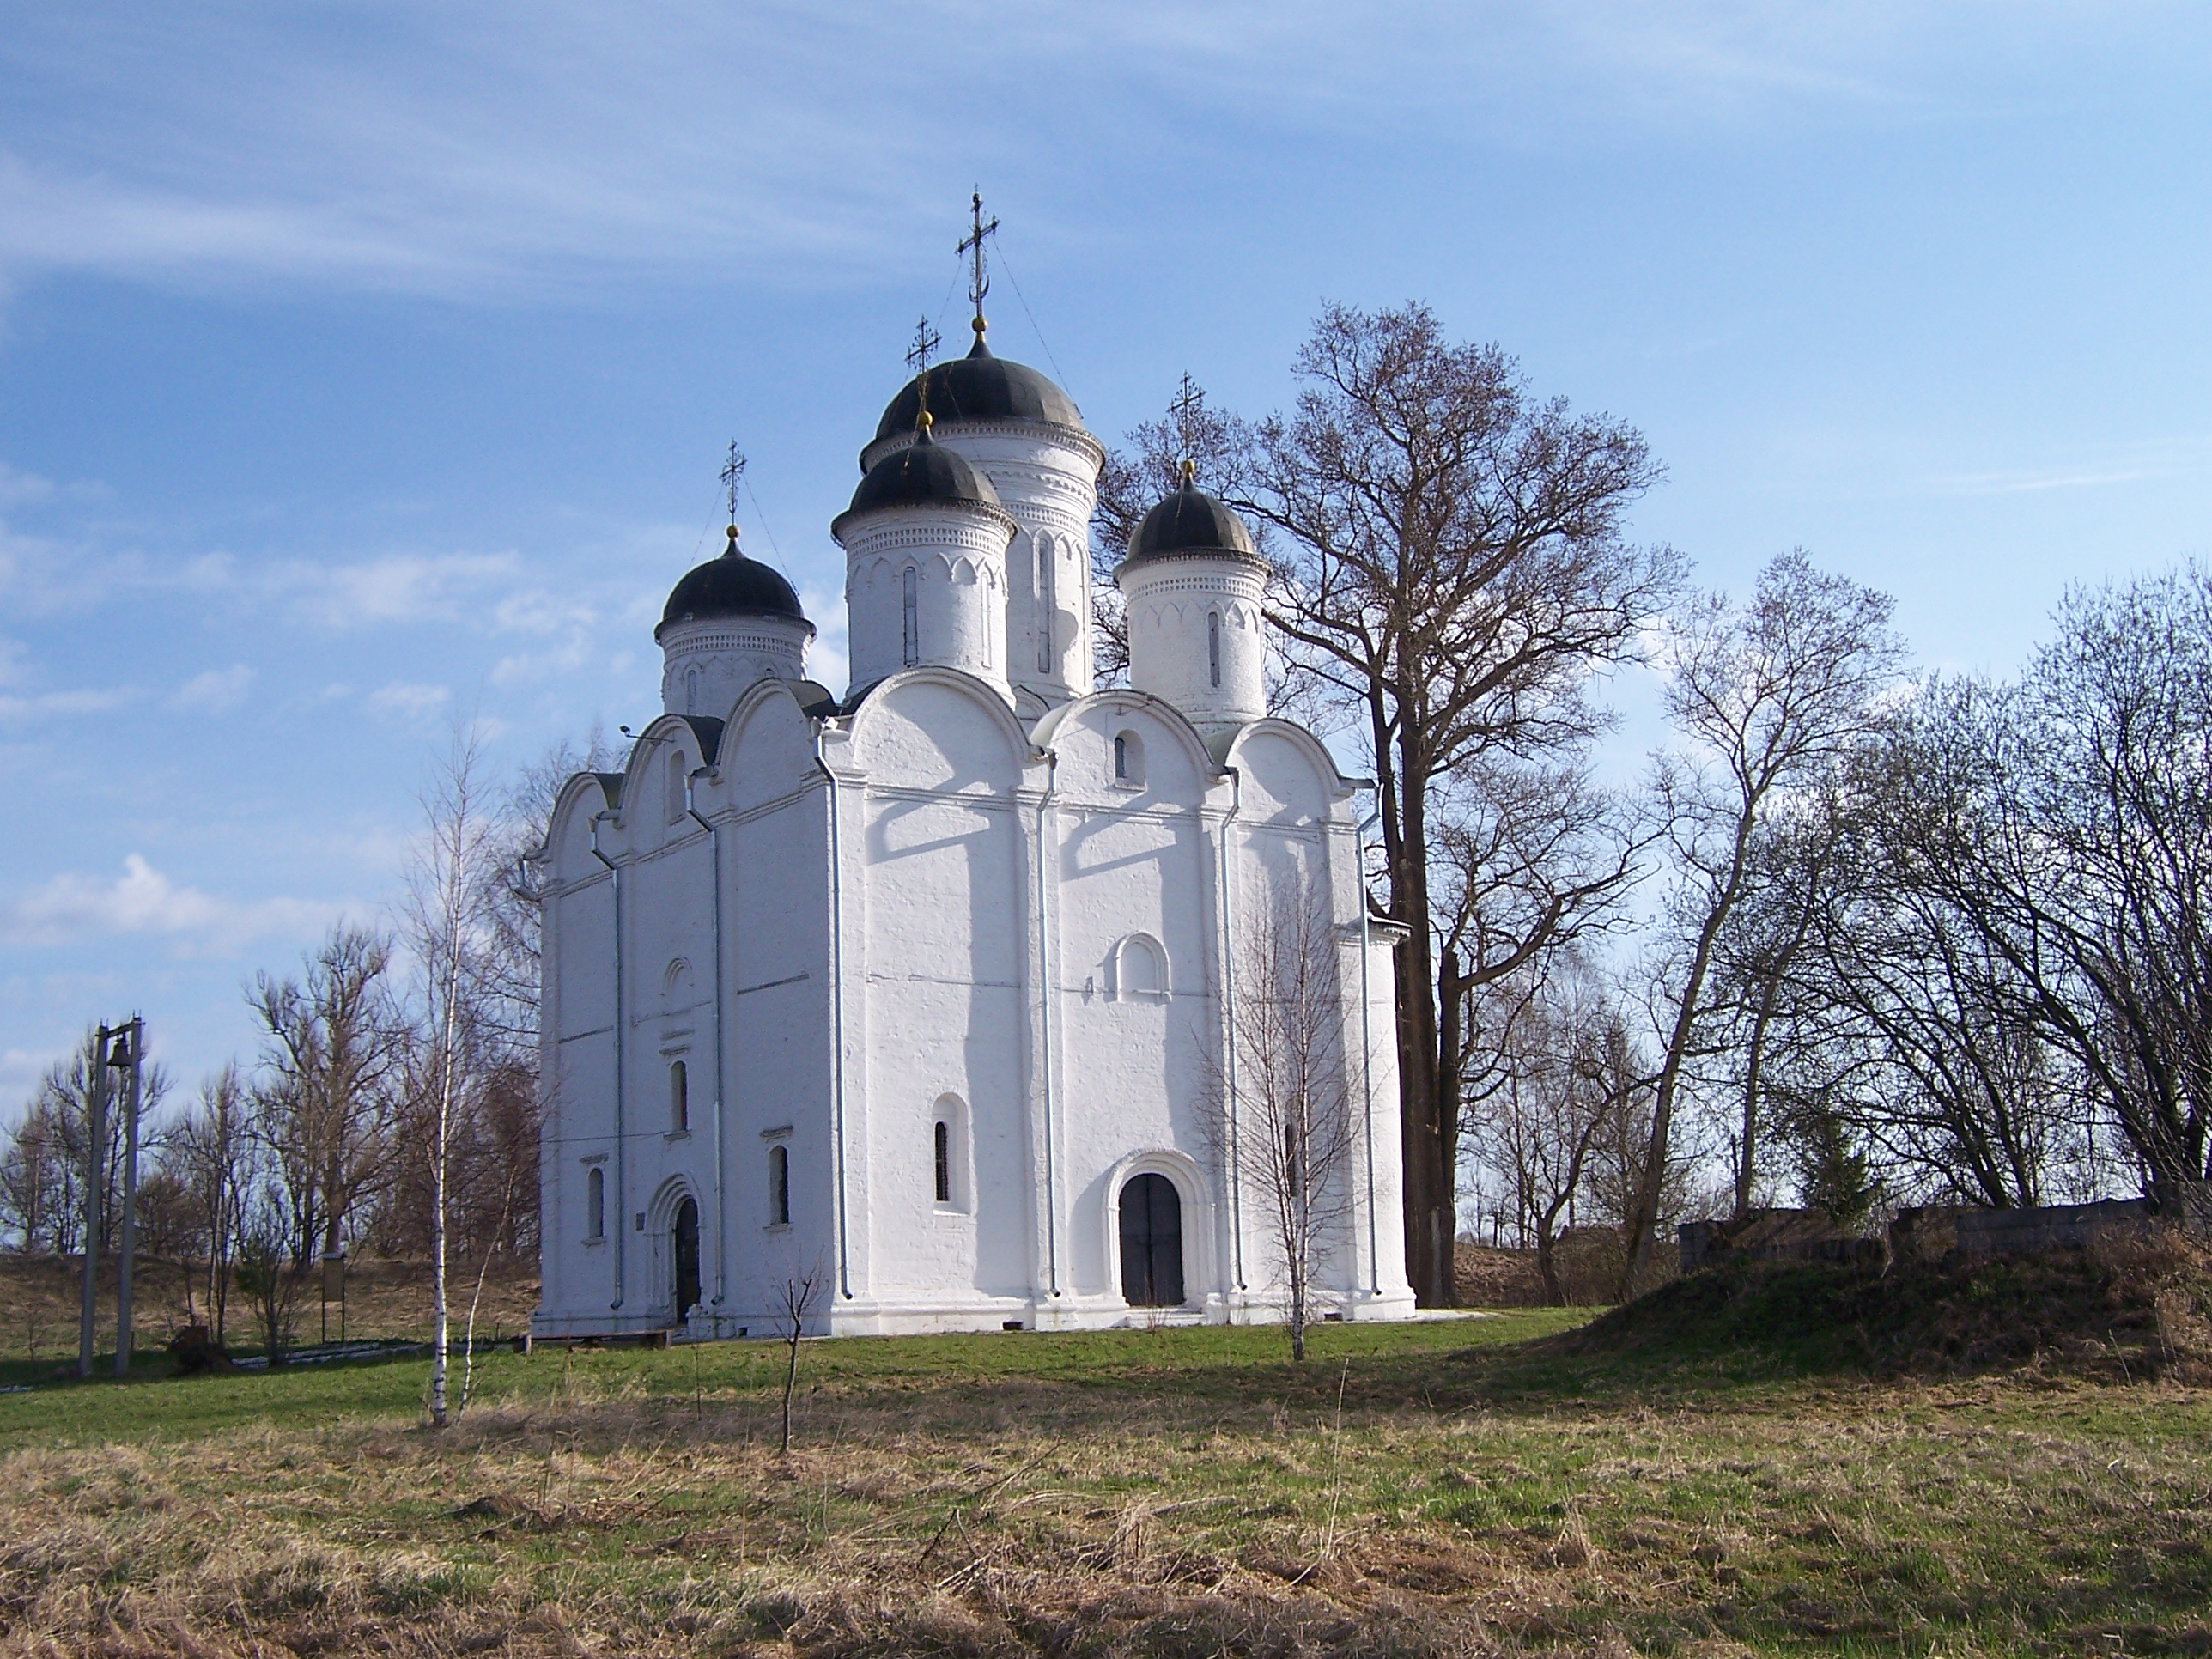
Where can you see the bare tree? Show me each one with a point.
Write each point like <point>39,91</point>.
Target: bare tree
<point>211,1152</point>
<point>1284,1111</point>
<point>37,1186</point>
<point>2063,827</point>
<point>42,1171</point>
<point>445,920</point>
<point>1453,568</point>
<point>329,1099</point>
<point>1764,696</point>
<point>796,1293</point>
<point>268,1277</point>
<point>1556,1084</point>
<point>1761,994</point>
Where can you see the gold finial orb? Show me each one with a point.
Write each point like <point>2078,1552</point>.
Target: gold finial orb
<point>1189,469</point>
<point>924,420</point>
<point>732,532</point>
<point>979,324</point>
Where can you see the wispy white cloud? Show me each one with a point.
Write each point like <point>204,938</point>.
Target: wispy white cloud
<point>72,908</point>
<point>21,1070</point>
<point>2030,482</point>
<point>215,691</point>
<point>457,151</point>
<point>395,587</point>
<point>403,700</point>
<point>58,704</point>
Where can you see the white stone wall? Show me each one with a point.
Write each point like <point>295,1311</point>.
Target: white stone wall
<point>922,911</point>
<point>750,1020</point>
<point>1048,479</point>
<point>959,555</point>
<point>706,665</point>
<point>1186,616</point>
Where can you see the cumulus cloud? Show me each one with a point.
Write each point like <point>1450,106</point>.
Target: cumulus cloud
<point>402,700</point>
<point>72,908</point>
<point>214,691</point>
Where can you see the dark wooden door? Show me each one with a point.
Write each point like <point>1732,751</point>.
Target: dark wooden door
<point>1151,1243</point>
<point>687,1257</point>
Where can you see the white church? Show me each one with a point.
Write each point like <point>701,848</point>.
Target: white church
<point>929,990</point>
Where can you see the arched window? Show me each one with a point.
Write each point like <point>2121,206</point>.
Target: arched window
<point>690,690</point>
<point>1213,647</point>
<point>910,614</point>
<point>595,1202</point>
<point>1048,590</point>
<point>778,1186</point>
<point>680,1098</point>
<point>943,1146</point>
<point>1140,970</point>
<point>1128,758</point>
<point>676,773</point>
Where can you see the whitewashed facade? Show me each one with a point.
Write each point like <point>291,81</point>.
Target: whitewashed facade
<point>914,988</point>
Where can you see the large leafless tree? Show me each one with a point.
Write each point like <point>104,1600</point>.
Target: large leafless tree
<point>1765,697</point>
<point>1454,568</point>
<point>330,1097</point>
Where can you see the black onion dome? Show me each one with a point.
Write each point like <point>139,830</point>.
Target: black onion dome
<point>1191,522</point>
<point>979,388</point>
<point>732,586</point>
<point>924,473</point>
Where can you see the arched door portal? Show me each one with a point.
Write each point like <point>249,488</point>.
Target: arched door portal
<point>1151,1242</point>
<point>686,1230</point>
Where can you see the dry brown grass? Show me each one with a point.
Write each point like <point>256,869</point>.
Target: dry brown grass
<point>1179,1493</point>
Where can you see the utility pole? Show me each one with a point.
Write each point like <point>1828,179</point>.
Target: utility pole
<point>95,1137</point>
<point>129,1061</point>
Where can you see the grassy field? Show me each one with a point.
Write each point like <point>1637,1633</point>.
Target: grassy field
<point>1485,1486</point>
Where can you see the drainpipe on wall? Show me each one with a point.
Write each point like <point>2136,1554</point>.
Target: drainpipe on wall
<point>837,1008</point>
<point>1229,1034</point>
<point>721,1175</point>
<point>1367,1046</point>
<point>1044,1007</point>
<point>622,1017</point>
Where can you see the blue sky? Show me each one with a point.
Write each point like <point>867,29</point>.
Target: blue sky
<point>365,367</point>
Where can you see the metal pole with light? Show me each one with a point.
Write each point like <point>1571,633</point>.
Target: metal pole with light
<point>95,1124</point>
<point>130,1051</point>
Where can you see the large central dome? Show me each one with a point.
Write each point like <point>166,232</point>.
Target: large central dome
<point>979,388</point>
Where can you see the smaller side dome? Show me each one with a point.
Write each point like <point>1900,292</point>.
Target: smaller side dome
<point>923,474</point>
<point>1191,522</point>
<point>731,585</point>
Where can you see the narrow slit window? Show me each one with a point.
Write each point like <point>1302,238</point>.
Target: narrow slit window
<point>910,612</point>
<point>595,1202</point>
<point>778,1186</point>
<point>1047,598</point>
<point>690,690</point>
<point>1122,758</point>
<point>680,1098</point>
<point>677,802</point>
<point>944,1138</point>
<point>1213,647</point>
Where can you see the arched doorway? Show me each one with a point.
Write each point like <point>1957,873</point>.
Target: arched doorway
<point>686,1230</point>
<point>1151,1242</point>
